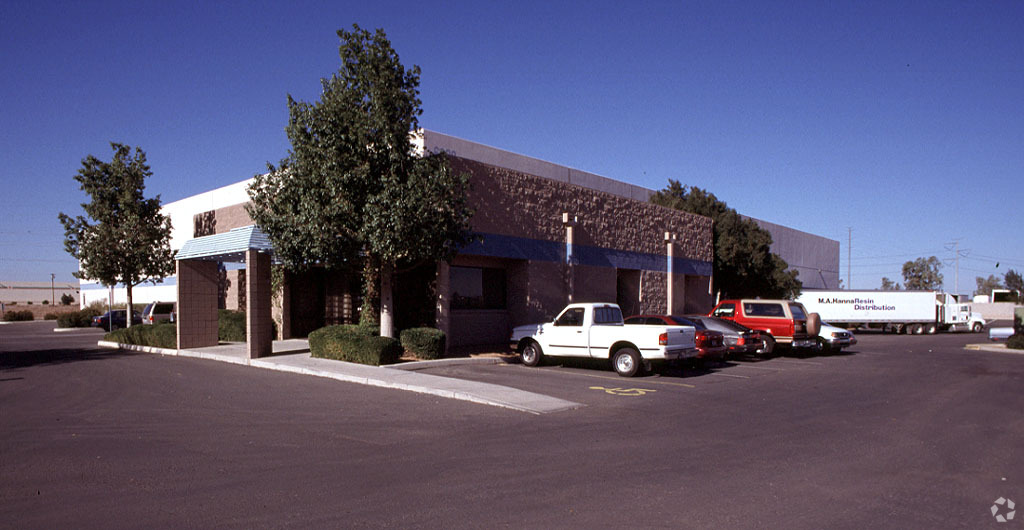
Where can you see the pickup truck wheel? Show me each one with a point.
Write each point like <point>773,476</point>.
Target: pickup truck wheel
<point>531,355</point>
<point>820,346</point>
<point>627,362</point>
<point>977,327</point>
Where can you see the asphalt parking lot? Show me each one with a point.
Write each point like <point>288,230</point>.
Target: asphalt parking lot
<point>592,382</point>
<point>910,432</point>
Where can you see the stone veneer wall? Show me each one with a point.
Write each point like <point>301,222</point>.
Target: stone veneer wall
<point>516,204</point>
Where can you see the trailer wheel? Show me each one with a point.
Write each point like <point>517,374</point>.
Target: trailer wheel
<point>977,327</point>
<point>931,329</point>
<point>917,329</point>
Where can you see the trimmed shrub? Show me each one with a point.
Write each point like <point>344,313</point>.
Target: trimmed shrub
<point>425,343</point>
<point>66,299</point>
<point>50,316</point>
<point>163,335</point>
<point>77,319</point>
<point>19,316</point>
<point>1016,341</point>
<point>231,325</point>
<point>46,302</point>
<point>354,343</point>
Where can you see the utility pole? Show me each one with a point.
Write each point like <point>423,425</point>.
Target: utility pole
<point>957,253</point>
<point>53,301</point>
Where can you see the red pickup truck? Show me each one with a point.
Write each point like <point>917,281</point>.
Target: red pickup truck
<point>780,321</point>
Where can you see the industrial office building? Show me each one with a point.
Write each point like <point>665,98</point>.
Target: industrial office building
<point>548,235</point>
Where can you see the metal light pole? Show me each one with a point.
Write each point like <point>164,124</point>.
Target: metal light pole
<point>53,301</point>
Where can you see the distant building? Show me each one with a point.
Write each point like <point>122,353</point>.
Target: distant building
<point>36,292</point>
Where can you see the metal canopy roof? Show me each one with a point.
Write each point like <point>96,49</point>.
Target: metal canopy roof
<point>227,247</point>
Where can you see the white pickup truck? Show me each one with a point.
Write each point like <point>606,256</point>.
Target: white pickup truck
<point>596,331</point>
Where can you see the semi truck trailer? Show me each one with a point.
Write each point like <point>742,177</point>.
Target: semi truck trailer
<point>911,312</point>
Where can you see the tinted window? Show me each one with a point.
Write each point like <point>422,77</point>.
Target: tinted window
<point>571,317</point>
<point>725,310</point>
<point>680,321</point>
<point>761,309</point>
<point>634,321</point>
<point>477,288</point>
<point>724,325</point>
<point>607,315</point>
<point>798,311</point>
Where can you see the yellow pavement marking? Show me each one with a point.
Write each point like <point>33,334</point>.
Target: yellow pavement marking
<point>623,391</point>
<point>619,378</point>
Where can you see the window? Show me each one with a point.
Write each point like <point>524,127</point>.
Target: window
<point>798,312</point>
<point>763,310</point>
<point>571,317</point>
<point>607,315</point>
<point>725,310</point>
<point>478,288</point>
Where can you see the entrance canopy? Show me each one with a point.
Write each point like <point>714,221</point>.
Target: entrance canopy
<point>199,281</point>
<point>229,247</point>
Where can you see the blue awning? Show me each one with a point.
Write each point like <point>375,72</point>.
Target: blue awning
<point>229,247</point>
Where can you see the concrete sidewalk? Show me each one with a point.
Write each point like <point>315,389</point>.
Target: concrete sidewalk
<point>993,347</point>
<point>293,356</point>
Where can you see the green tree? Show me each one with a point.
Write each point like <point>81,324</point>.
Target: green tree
<point>922,274</point>
<point>1014,282</point>
<point>744,265</point>
<point>128,239</point>
<point>66,299</point>
<point>985,285</point>
<point>353,192</point>
<point>889,285</point>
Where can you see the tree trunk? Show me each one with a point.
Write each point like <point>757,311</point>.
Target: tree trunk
<point>129,312</point>
<point>387,322</point>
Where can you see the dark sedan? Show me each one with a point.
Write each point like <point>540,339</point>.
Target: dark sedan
<point>739,339</point>
<point>116,319</point>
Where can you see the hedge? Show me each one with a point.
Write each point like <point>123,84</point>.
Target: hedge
<point>231,326</point>
<point>77,319</point>
<point>1016,341</point>
<point>19,316</point>
<point>163,335</point>
<point>355,344</point>
<point>425,343</point>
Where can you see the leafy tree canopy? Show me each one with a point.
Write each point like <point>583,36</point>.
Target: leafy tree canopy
<point>985,285</point>
<point>1014,282</point>
<point>352,190</point>
<point>744,265</point>
<point>922,274</point>
<point>889,285</point>
<point>127,240</point>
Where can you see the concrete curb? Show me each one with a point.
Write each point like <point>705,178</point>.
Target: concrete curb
<point>423,365</point>
<point>404,378</point>
<point>998,348</point>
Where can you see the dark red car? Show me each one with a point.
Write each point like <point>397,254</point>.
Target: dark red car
<point>710,343</point>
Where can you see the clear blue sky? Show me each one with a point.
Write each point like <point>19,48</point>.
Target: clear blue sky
<point>903,121</point>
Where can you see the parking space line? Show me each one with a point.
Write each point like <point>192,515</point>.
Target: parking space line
<point>761,368</point>
<point>619,378</point>
<point>731,375</point>
<point>790,361</point>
